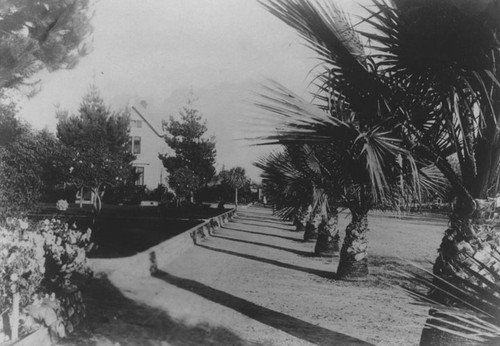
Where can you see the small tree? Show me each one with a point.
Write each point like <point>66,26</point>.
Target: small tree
<point>194,154</point>
<point>183,181</point>
<point>236,179</point>
<point>99,142</point>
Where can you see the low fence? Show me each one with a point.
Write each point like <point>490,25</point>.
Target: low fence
<point>165,252</point>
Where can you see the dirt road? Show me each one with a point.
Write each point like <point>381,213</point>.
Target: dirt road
<point>256,283</point>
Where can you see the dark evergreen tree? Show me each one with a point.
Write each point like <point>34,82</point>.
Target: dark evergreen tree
<point>194,153</point>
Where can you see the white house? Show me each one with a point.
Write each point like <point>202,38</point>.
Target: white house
<point>146,142</point>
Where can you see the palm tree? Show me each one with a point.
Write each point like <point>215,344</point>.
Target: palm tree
<point>440,95</point>
<point>450,97</point>
<point>451,101</point>
<point>295,174</point>
<point>467,313</point>
<point>431,77</point>
<point>353,116</point>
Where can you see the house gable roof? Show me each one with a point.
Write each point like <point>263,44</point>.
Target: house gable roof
<point>147,122</point>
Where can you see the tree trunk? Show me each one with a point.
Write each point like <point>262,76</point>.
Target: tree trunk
<point>471,228</point>
<point>14,317</point>
<point>96,201</point>
<point>311,232</point>
<point>328,236</point>
<point>353,262</point>
<point>236,199</point>
<point>300,226</point>
<point>301,220</point>
<point>81,197</point>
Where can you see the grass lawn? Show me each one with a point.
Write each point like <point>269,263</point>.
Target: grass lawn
<point>121,231</point>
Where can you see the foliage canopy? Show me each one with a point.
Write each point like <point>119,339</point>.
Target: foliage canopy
<point>194,154</point>
<point>99,143</point>
<point>30,163</point>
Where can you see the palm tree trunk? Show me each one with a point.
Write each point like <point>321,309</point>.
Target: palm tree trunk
<point>311,232</point>
<point>471,229</point>
<point>302,218</point>
<point>328,236</point>
<point>353,262</point>
<point>471,226</point>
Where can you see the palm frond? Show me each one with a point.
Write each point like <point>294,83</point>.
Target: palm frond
<point>471,309</point>
<point>293,120</point>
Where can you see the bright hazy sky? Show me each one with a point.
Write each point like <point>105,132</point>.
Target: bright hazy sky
<point>157,50</point>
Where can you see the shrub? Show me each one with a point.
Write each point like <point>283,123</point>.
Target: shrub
<point>22,261</point>
<point>156,194</point>
<point>124,194</point>
<point>65,249</point>
<point>37,259</point>
<point>52,195</point>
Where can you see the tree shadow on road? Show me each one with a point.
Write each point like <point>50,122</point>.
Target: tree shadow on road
<point>297,252</point>
<point>113,319</point>
<point>321,273</point>
<point>288,324</point>
<point>261,233</point>
<point>262,219</point>
<point>263,225</point>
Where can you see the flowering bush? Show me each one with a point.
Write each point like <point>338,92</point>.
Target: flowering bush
<point>65,247</point>
<point>22,262</point>
<point>37,258</point>
<point>62,205</point>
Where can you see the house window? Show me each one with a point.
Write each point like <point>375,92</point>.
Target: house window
<point>130,144</point>
<point>136,148</point>
<point>136,123</point>
<point>139,176</point>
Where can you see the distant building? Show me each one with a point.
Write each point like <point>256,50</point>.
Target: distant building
<point>146,142</point>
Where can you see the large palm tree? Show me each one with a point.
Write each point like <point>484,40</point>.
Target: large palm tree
<point>431,76</point>
<point>360,169</point>
<point>353,116</point>
<point>449,94</point>
<point>450,97</point>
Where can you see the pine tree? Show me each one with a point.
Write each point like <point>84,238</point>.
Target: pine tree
<point>194,159</point>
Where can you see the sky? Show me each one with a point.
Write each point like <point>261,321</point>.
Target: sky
<point>160,50</point>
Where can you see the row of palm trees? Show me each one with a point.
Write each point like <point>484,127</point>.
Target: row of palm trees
<point>393,103</point>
